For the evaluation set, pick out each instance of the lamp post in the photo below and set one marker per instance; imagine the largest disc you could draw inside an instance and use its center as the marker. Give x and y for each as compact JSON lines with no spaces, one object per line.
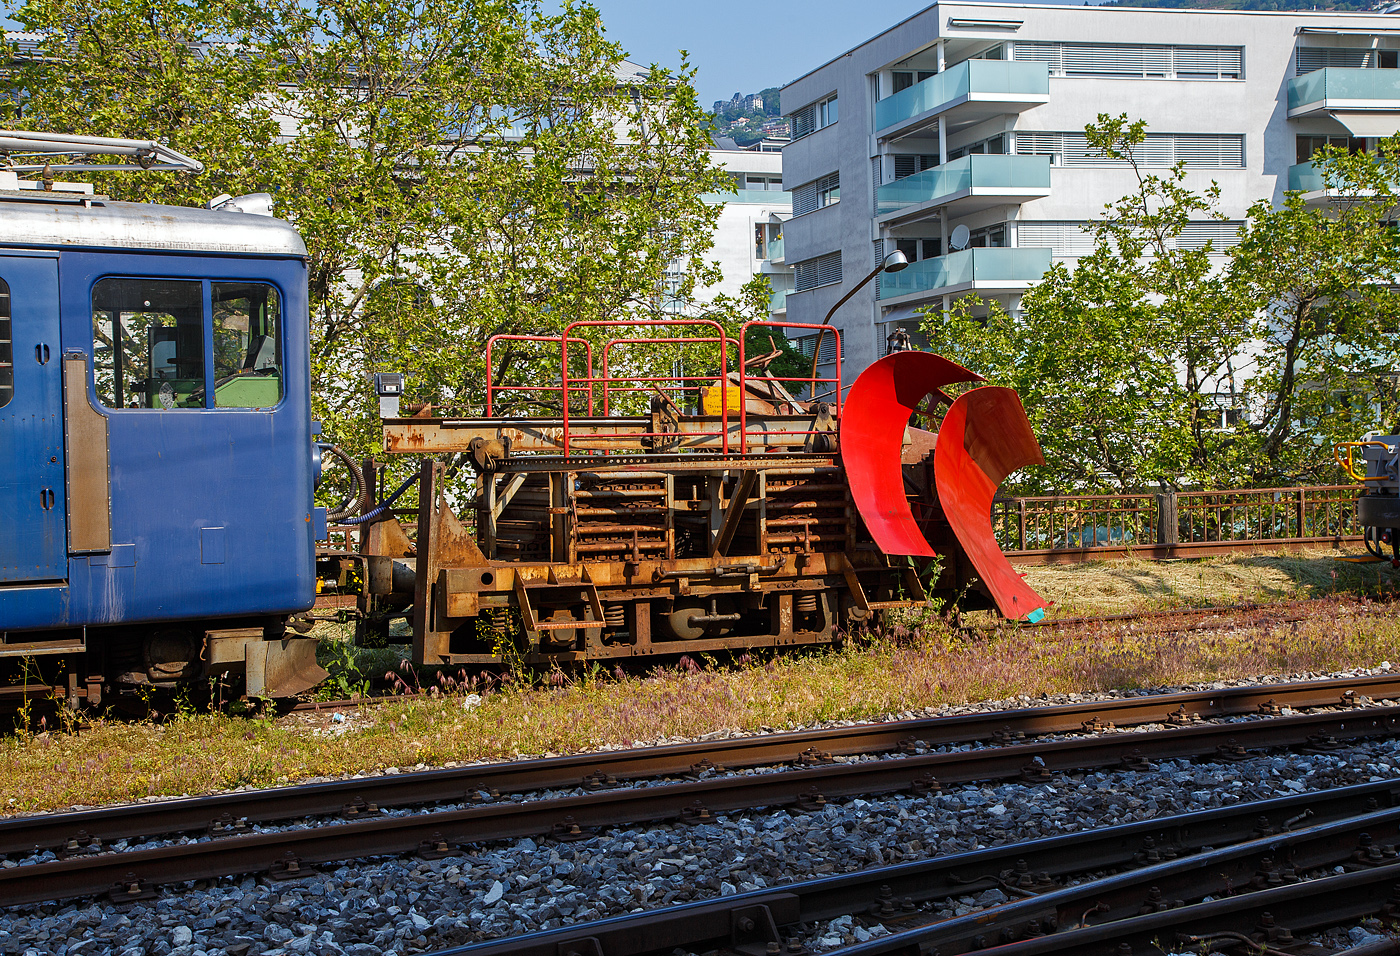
{"x":894,"y":262}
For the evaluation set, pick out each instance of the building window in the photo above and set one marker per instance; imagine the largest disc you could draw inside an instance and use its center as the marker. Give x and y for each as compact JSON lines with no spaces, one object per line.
{"x":910,"y":165}
{"x":993,"y":237}
{"x":814,"y":116}
{"x":763,"y":183}
{"x":148,"y":343}
{"x":1077,"y":239}
{"x":1311,"y":58}
{"x":816,"y":194}
{"x":992,"y":144}
{"x":808,"y":343}
{"x":7,"y":352}
{"x":764,"y":234}
{"x":823,"y":270}
{"x":916,"y":250}
{"x":1307,"y":145}
{"x":1195,"y":150}
{"x":1151,"y":61}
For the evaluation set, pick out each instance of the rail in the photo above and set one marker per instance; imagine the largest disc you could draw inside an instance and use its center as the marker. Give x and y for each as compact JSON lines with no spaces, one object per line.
{"x":1050,"y":529}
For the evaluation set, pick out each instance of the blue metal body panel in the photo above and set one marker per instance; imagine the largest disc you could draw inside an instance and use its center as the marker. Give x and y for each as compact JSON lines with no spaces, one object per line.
{"x":211,"y":509}
{"x":32,"y":517}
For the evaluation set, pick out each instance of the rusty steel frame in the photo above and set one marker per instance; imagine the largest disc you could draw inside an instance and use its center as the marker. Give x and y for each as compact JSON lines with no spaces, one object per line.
{"x":889,"y":891}
{"x":439,"y":832}
{"x":562,"y":551}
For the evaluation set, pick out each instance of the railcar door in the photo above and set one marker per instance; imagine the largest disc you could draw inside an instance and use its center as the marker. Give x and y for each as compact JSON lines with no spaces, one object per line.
{"x":33,"y":543}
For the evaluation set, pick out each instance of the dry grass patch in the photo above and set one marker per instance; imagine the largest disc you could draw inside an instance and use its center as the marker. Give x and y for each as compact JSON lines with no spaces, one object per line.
{"x":1105,"y":587}
{"x":911,"y":671}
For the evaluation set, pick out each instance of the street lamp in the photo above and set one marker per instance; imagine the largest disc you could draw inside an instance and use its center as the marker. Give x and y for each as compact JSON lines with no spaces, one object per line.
{"x":894,"y":262}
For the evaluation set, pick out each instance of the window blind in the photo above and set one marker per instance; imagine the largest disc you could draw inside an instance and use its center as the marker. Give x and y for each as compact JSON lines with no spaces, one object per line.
{"x":823,"y":270}
{"x":1196,"y":150}
{"x":1163,"y":61}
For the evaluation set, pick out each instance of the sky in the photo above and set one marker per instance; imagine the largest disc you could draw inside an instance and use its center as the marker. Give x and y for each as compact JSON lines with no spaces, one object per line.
{"x":743,"y":46}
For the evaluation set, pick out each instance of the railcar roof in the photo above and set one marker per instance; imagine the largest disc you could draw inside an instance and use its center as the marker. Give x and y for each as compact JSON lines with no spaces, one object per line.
{"x":74,"y":221}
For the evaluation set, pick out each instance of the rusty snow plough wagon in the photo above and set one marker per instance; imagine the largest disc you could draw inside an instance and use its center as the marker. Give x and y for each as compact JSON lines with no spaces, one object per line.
{"x":696,"y":512}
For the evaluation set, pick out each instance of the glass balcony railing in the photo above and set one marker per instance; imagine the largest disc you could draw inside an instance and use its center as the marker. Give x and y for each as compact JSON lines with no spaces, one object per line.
{"x":984,"y":171}
{"x":1308,"y":178}
{"x":775,"y":248}
{"x":981,"y":267}
{"x":778,"y":301}
{"x":766,"y":197}
{"x":1340,"y":83}
{"x":967,"y":78}
{"x":1304,"y":177}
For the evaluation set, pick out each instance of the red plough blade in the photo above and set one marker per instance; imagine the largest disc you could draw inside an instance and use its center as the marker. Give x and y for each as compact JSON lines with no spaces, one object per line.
{"x":873,"y":420}
{"x":985,"y":436}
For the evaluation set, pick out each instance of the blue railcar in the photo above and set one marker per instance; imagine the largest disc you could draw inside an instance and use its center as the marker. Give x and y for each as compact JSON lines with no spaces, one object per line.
{"x":157,"y":451}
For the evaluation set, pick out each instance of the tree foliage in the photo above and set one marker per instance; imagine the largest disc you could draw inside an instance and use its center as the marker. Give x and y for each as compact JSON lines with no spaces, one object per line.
{"x":458,"y":169}
{"x":1156,"y":361}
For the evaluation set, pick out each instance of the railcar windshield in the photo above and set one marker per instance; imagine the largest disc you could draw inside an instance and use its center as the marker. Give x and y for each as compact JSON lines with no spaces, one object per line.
{"x":247,"y":345}
{"x":148,"y":343}
{"x":150,"y":334}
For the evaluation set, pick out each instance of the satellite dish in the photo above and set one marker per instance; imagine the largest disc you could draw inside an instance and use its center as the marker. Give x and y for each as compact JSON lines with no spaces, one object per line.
{"x":961,"y":236}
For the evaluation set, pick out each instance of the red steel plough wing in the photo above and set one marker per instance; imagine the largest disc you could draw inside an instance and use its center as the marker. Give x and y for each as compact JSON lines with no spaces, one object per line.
{"x":984,"y":437}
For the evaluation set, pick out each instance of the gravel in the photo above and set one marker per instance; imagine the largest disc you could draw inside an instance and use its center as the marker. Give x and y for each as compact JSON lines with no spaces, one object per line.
{"x":405,"y":906}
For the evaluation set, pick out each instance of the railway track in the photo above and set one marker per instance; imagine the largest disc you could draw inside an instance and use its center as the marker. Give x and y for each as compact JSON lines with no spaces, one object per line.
{"x":91,"y":870}
{"x":1110,"y":874}
{"x":78,"y":830}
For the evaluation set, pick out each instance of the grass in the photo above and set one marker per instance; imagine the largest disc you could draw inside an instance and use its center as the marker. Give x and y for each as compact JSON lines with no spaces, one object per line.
{"x":1105,"y":587}
{"x":908,"y":670}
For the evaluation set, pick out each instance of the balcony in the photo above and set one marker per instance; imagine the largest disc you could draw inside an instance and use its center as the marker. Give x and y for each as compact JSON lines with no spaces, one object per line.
{"x":1308,"y":179}
{"x":986,"y":270}
{"x":971,"y":183}
{"x":777,"y":303}
{"x":1303,"y":176}
{"x":1366,"y":101}
{"x":976,"y":89}
{"x":775,"y":251}
{"x":763,"y":197}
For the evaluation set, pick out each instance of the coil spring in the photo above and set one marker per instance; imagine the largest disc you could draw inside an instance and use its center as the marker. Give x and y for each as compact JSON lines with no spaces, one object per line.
{"x":807,"y":603}
{"x":615,"y":615}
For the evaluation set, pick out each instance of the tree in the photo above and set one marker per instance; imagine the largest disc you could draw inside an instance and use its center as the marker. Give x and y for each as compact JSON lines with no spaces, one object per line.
{"x":458,"y":169}
{"x":1324,"y":360}
{"x":1127,"y":361}
{"x":1117,"y":358}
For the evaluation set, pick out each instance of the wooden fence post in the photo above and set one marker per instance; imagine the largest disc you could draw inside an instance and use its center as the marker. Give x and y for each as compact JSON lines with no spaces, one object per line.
{"x":1167,"y":531}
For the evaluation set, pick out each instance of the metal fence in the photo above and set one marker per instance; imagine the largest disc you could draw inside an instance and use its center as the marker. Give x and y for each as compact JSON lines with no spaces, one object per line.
{"x":1050,"y":529}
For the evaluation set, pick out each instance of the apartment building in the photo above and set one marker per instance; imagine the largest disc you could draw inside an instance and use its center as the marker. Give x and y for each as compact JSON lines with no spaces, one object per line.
{"x":957,"y":137}
{"x":749,"y":234}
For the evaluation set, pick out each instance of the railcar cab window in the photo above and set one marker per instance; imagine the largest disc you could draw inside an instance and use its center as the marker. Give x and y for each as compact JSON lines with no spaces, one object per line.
{"x":150,"y":335}
{"x":7,"y":352}
{"x":148,"y":343}
{"x":247,"y":345}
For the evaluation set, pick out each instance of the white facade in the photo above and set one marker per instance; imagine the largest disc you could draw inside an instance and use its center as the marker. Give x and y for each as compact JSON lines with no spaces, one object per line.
{"x":972,"y":115}
{"x":747,"y":237}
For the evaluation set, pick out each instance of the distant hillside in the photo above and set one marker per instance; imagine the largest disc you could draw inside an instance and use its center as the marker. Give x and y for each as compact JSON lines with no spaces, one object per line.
{"x":747,"y":118}
{"x":1338,"y":6}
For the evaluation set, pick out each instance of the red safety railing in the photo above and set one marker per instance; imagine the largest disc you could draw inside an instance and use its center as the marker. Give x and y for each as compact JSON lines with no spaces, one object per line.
{"x":492,"y":388}
{"x":810,"y":381}
{"x":653,"y":382}
{"x":675,"y":382}
{"x":674,"y":388}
